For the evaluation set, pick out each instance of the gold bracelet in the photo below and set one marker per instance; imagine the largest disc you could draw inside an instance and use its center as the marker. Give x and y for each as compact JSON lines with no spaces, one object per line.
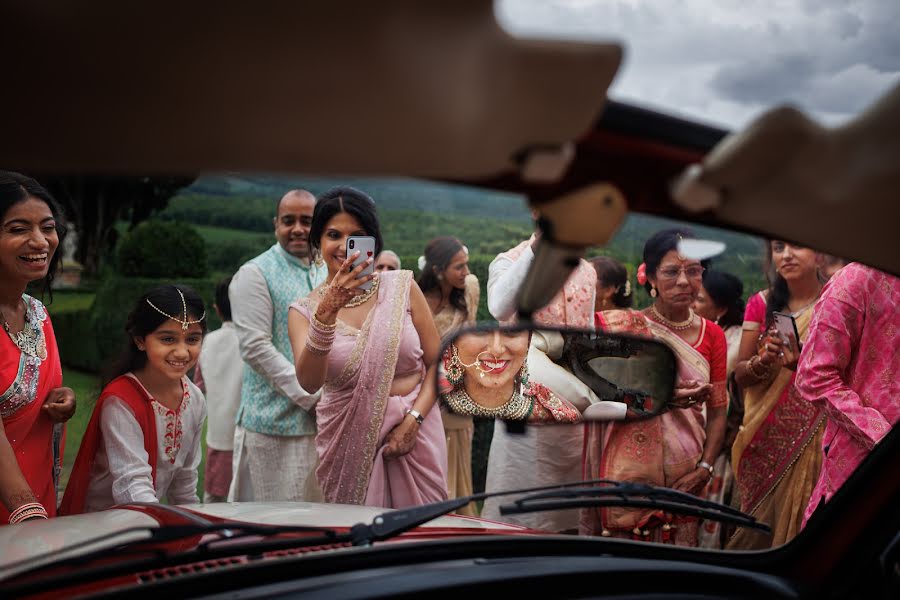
{"x":318,"y":324}
{"x":755,"y":360}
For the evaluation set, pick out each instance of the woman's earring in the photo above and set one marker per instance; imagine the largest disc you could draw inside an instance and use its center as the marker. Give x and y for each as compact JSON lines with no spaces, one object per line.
{"x":319,"y":260}
{"x":455,"y":371}
{"x":652,"y":291}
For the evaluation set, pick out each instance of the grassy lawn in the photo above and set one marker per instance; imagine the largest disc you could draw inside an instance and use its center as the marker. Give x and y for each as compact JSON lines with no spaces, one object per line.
{"x":87,"y":388}
{"x":219,"y":234}
{"x":70,"y":301}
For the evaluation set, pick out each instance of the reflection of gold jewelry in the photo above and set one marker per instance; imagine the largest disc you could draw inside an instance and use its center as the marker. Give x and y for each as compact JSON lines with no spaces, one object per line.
{"x":477,"y":363}
{"x":184,"y":322}
{"x":677,"y":326}
{"x":455,"y":370}
{"x":357,"y":300}
{"x":517,"y":408}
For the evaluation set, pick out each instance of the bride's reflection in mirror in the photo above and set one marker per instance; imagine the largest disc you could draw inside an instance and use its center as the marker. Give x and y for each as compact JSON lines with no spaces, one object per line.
{"x":485,"y":374}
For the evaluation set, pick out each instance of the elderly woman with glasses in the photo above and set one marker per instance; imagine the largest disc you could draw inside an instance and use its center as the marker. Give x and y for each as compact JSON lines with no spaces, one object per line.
{"x":677,"y":449}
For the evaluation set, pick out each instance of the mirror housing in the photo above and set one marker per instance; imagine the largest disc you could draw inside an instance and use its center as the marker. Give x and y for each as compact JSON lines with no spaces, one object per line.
{"x":542,"y":375}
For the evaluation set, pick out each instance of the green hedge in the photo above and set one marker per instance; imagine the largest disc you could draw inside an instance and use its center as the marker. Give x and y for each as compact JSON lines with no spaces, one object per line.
{"x":88,"y":339}
{"x":161,"y":249}
{"x":76,"y":339}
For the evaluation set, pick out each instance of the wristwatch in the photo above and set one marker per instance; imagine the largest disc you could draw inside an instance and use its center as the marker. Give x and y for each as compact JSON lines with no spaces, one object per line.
{"x":706,"y":466}
{"x":416,"y":415}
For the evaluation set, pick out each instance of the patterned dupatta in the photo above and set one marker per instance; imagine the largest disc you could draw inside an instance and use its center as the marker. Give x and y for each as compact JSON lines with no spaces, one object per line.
{"x":655,"y":451}
{"x":35,"y":440}
{"x":778,"y":426}
{"x":351,"y":411}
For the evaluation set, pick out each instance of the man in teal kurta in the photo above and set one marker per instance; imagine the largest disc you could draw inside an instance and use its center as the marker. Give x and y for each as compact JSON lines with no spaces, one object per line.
{"x":274,"y":452}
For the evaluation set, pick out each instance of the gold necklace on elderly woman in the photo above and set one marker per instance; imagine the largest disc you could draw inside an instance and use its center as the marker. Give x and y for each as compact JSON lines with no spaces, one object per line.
{"x":677,"y":326}
{"x":357,"y":300}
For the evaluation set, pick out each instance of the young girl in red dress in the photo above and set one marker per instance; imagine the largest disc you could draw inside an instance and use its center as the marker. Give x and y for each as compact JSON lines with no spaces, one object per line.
{"x":143,"y":441}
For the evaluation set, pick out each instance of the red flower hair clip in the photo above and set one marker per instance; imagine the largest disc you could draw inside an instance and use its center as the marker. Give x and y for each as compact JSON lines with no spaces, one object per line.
{"x":642,"y":274}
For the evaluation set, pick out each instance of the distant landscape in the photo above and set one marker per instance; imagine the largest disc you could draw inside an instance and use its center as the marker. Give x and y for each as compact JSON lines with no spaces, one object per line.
{"x":234,"y":216}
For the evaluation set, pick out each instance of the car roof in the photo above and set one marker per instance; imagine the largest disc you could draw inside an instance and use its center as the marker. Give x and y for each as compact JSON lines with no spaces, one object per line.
{"x":433,"y":90}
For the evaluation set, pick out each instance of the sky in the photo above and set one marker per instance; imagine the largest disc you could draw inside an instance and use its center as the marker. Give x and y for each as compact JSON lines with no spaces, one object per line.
{"x":726,"y":61}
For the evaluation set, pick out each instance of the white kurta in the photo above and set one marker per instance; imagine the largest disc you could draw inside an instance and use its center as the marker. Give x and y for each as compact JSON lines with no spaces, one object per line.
{"x":544,"y":455}
{"x":121,"y":472}
{"x":222,"y":370}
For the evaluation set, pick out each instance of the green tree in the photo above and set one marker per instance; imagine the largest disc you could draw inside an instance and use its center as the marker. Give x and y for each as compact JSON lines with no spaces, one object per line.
{"x":94,"y":204}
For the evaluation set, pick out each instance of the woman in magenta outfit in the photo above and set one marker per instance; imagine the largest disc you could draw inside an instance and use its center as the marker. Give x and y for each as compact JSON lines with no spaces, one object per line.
{"x":849,"y":369}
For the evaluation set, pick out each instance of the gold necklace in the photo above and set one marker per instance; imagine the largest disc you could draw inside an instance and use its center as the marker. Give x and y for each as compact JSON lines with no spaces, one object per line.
{"x":357,"y":300}
{"x":673,"y":324}
{"x":30,"y":340}
{"x":517,"y":408}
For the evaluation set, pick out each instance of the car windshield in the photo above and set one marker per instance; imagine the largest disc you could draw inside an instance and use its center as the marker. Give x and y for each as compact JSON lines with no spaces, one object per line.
{"x":283,"y":349}
{"x":202,"y":231}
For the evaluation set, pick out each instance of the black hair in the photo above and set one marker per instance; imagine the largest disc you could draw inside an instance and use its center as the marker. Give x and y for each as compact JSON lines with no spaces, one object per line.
{"x":611,"y":272}
{"x":347,"y":200}
{"x":144,"y":320}
{"x":779,"y":295}
{"x":661,"y":243}
{"x":16,"y":188}
{"x":438,"y":254}
{"x":223,"y":302}
{"x":726,"y":291}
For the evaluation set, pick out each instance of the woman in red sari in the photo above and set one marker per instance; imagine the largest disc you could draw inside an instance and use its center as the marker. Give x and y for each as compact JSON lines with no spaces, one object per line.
{"x":32,"y":402}
{"x":678,"y":448}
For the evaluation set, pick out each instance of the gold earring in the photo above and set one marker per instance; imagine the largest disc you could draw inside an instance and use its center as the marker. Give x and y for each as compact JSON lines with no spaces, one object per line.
{"x":652,"y":292}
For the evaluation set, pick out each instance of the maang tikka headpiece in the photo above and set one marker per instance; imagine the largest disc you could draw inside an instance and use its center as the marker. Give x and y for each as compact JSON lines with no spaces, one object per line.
{"x":184,"y":322}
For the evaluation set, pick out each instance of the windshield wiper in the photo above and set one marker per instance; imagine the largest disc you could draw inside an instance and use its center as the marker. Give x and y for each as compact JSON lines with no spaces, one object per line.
{"x":636,"y":495}
{"x":556,"y":497}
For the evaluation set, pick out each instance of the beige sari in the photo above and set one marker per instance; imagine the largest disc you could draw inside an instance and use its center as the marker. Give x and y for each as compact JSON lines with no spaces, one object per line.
{"x":459,"y":429}
{"x":776,"y":456}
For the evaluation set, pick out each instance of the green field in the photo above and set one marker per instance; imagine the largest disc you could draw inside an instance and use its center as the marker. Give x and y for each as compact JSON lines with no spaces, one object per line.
{"x":214,"y":234}
{"x":65,"y":301}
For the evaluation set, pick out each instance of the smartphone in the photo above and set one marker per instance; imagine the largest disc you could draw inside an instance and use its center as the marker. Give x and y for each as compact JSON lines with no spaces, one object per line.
{"x":786,"y":326}
{"x":365,"y":245}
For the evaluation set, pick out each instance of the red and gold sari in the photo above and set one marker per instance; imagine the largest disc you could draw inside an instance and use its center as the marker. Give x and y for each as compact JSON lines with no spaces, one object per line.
{"x":26,"y":380}
{"x":656,"y":451}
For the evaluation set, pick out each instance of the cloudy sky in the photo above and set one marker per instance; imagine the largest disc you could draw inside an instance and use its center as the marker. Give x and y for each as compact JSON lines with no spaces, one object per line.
{"x":725,"y":61}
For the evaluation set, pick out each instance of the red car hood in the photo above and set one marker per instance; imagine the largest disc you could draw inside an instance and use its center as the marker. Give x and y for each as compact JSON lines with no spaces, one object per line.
{"x":31,"y":544}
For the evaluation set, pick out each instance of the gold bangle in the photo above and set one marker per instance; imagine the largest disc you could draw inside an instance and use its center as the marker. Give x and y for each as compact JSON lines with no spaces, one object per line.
{"x":318,"y":324}
{"x":755,"y":360}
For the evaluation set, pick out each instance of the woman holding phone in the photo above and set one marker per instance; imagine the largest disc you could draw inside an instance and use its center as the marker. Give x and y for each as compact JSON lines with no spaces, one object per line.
{"x":775,"y":480}
{"x":379,"y":441}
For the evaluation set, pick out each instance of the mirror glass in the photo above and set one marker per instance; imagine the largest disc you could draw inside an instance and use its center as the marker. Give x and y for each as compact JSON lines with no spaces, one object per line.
{"x":555,"y":375}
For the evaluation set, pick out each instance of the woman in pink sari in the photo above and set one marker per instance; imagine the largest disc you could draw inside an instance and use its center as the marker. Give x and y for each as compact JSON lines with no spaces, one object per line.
{"x":379,"y":441}
{"x":678,"y":448}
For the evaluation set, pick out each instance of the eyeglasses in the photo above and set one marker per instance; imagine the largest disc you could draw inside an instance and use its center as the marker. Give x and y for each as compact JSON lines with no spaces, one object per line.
{"x":691,"y":272}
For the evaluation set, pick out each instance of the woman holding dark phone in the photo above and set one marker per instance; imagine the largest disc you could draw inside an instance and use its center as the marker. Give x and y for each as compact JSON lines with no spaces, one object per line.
{"x":774,"y":481}
{"x":380,"y":442}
